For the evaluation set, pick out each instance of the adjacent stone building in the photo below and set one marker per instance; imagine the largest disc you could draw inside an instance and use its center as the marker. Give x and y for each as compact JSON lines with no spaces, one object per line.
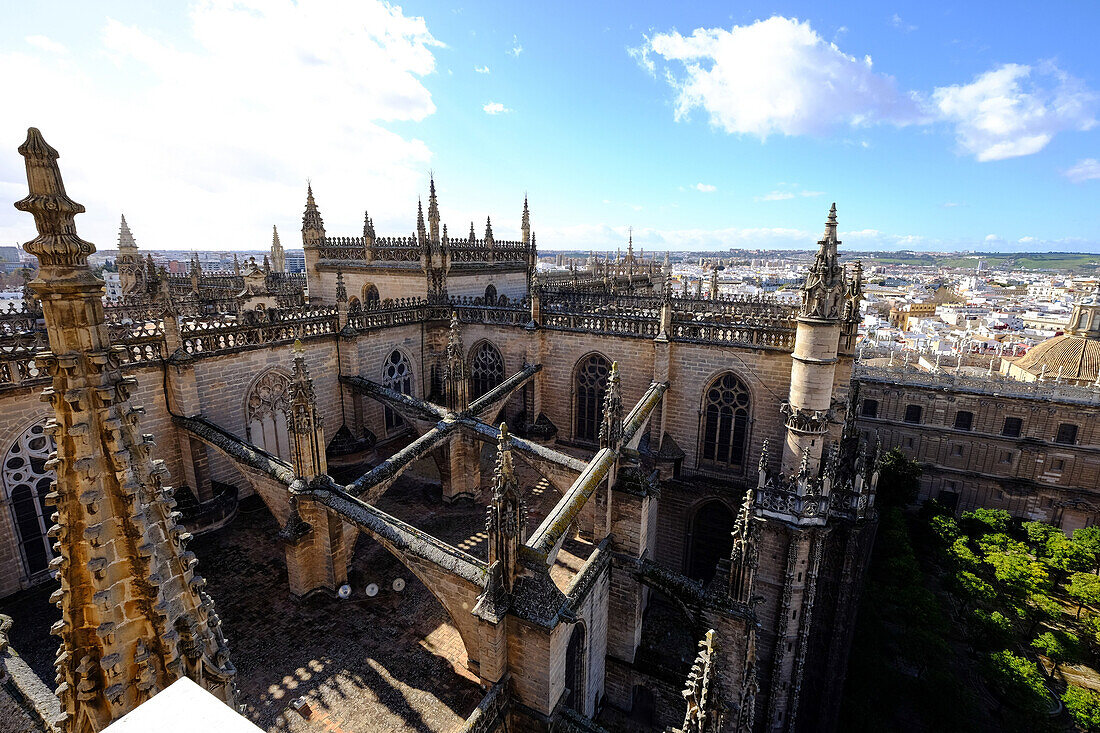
{"x":704,"y":451}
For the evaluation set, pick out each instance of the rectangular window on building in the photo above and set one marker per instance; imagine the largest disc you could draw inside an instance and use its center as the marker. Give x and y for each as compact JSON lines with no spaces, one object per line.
{"x":913,"y":413}
{"x":1057,"y":464}
{"x":908,"y":442}
{"x":1006,"y":457}
{"x":1067,"y":434}
{"x":870,"y":408}
{"x":956,"y":450}
{"x":964,"y":420}
{"x":1012,"y":427}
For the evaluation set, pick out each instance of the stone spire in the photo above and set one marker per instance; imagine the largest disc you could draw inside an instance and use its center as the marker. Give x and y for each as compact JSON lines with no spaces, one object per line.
{"x":506,"y":521}
{"x":130,"y":274}
{"x":303,"y":422}
{"x":824,"y":286}
{"x":488,"y":232}
{"x":714,"y":283}
{"x":278,"y":254}
{"x":473,"y":235}
{"x":421,"y":229}
{"x":744,"y":557}
{"x":611,"y":429}
{"x":454,"y":377}
{"x":368,"y":229}
{"x":525,"y":222}
{"x":313,"y":227}
{"x":433,"y":211}
{"x":134,"y":616}
{"x":236,"y":265}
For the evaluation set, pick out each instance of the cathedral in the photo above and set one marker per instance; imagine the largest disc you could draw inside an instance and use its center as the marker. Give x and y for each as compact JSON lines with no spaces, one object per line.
{"x":700,"y":453}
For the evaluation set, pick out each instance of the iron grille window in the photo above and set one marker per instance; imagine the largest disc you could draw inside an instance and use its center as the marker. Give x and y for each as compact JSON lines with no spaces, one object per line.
{"x":486,"y":369}
{"x":964,"y":420}
{"x":397,"y":375}
{"x":1067,"y":434}
{"x":1012,"y":427}
{"x":591,"y":383}
{"x":725,"y":422}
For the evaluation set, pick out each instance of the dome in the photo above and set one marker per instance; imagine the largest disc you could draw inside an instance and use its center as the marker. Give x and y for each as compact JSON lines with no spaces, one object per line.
{"x":1077,"y":356}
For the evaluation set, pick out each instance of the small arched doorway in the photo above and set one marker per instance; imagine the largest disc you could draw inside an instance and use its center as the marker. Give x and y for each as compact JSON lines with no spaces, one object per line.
{"x":490,"y":295}
{"x":574,"y":669}
{"x":710,"y":539}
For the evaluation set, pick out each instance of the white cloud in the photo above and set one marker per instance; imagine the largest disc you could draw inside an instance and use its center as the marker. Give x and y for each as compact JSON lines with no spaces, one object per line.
{"x":1085,"y":170}
{"x":774,"y":196}
{"x":481,"y":69}
{"x":705,"y":187}
{"x":774,"y":76}
{"x":47,"y":44}
{"x":950,"y":204}
{"x":1010,"y":111}
{"x":811,"y":194}
{"x":900,"y":24}
{"x":199,"y":142}
{"x":495,"y":108}
{"x":992,"y":238}
{"x":517,"y":49}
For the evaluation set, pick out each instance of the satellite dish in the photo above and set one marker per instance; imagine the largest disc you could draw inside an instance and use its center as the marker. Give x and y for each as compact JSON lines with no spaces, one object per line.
{"x":344,"y":592}
{"x":372,"y":590}
{"x":399,"y":584}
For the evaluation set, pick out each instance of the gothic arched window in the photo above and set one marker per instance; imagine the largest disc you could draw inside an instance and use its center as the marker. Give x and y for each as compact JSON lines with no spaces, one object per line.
{"x":266,"y":409}
{"x":354,"y":306}
{"x":490,"y":295}
{"x":26,"y":481}
{"x":590,"y":383}
{"x":486,"y":369}
{"x":397,"y":375}
{"x":725,"y":422}
{"x":370,"y":296}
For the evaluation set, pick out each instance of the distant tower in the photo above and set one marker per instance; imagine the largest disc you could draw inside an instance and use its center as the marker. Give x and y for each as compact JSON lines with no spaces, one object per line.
{"x":278,"y":254}
{"x":129,"y":263}
{"x":815,"y":355}
{"x":134,"y":617}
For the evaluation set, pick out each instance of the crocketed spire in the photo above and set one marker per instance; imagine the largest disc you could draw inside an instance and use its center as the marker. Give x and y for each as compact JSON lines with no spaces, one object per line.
{"x":313,"y":227}
{"x":304,"y":421}
{"x":125,"y":238}
{"x":278,"y":254}
{"x":458,"y":398}
{"x":824,"y":286}
{"x":433,"y":211}
{"x":488,"y":232}
{"x":611,"y":429}
{"x":506,"y":520}
{"x":134,"y":615}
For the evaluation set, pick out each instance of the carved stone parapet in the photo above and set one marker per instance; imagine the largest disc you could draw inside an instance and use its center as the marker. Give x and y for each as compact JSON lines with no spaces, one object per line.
{"x":807,"y":422}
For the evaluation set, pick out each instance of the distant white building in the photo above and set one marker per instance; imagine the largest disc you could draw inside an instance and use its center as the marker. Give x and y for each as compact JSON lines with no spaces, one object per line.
{"x":114,"y":286}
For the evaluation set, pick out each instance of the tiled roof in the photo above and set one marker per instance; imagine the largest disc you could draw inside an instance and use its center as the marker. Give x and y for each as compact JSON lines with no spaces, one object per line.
{"x":1077,"y":356}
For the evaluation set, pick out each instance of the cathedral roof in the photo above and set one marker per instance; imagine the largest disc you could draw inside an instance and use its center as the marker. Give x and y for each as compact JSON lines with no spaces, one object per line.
{"x":1078,"y":358}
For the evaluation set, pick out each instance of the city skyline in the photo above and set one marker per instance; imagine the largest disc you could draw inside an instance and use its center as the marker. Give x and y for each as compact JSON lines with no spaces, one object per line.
{"x":932,"y":130}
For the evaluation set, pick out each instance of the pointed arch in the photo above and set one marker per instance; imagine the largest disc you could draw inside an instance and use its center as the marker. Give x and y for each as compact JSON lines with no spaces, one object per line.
{"x":486,"y":368}
{"x":371,"y":298}
{"x":576,"y":657}
{"x":589,"y":385}
{"x":265,"y":412}
{"x":725,"y":416}
{"x":397,"y":374}
{"x":25,"y":481}
{"x":490,"y":294}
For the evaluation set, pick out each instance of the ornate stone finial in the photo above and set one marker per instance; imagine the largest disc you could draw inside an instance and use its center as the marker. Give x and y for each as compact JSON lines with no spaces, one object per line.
{"x":304,"y":421}
{"x":125,"y":237}
{"x":666,"y":290}
{"x":473,"y":235}
{"x":236,"y":265}
{"x":133,"y":615}
{"x":341,"y":290}
{"x":313,"y":227}
{"x":57,"y":244}
{"x":611,"y":429}
{"x":454,"y":374}
{"x":525,"y":222}
{"x":278,"y":254}
{"x":506,"y":517}
{"x":489,"y":231}
{"x":703,"y":690}
{"x":763,"y":467}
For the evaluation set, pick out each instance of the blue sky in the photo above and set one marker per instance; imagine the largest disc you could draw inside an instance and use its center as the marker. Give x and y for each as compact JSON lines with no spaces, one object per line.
{"x":706,"y":126}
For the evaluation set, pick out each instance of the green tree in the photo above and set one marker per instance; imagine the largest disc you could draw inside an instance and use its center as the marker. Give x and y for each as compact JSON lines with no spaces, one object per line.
{"x":898,"y":479}
{"x":1067,"y":556}
{"x":984,"y":521}
{"x":1085,"y":589}
{"x":1039,"y":535}
{"x":1058,"y":646}
{"x":1089,"y":538}
{"x":1083,"y":706}
{"x":1018,"y":682}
